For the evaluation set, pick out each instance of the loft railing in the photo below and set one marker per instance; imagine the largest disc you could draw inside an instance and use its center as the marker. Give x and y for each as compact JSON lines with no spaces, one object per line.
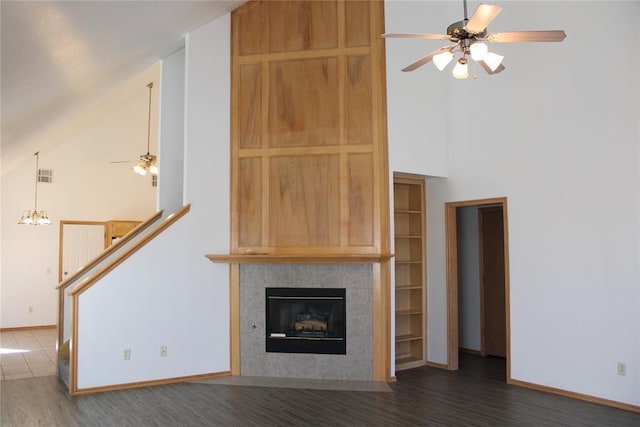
{"x":107,"y":266}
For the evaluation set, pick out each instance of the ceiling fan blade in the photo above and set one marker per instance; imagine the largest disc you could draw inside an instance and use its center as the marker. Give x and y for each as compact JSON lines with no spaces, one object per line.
{"x":484,"y":14}
{"x":425,"y":59}
{"x":527,"y":36}
{"x":486,"y":68}
{"x":124,"y":161}
{"x":416,"y":36}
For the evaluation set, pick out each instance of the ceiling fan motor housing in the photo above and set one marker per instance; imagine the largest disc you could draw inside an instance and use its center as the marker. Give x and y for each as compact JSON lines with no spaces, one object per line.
{"x":456,"y":32}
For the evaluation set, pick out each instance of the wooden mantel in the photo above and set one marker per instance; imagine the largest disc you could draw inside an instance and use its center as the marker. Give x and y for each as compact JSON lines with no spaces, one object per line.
{"x":299,"y":258}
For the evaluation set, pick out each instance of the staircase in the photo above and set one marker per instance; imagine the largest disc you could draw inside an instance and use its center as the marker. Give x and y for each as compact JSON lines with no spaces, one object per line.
{"x":90,"y":274}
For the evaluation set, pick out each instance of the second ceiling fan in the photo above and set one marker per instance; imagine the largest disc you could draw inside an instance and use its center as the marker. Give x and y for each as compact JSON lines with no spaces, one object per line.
{"x":470,"y":39}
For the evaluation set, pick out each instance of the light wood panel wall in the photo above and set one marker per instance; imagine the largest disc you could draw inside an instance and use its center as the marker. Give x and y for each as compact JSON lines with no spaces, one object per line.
{"x":309,"y":158}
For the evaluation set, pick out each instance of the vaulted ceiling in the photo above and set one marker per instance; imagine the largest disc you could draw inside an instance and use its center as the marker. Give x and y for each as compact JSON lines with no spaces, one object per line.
{"x":57,"y":54}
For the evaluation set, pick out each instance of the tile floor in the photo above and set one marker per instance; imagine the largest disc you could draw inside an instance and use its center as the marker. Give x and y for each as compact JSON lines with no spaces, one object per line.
{"x":27,"y":353}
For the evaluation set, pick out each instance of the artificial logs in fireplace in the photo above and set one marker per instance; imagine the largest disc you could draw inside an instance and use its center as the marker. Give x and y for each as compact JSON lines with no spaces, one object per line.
{"x":306,"y":320}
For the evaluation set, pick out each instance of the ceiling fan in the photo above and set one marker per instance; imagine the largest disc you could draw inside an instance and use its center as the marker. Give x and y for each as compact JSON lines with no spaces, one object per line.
{"x":469,"y":37}
{"x":146,"y":162}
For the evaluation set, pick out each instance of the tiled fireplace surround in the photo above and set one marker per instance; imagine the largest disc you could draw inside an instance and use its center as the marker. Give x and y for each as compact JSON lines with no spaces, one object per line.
{"x":357,"y":364}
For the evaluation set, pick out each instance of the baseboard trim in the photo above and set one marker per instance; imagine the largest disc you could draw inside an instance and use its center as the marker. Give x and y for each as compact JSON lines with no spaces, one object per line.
{"x":150,"y":383}
{"x":25,"y":328}
{"x":438,"y":365}
{"x":574,"y":395}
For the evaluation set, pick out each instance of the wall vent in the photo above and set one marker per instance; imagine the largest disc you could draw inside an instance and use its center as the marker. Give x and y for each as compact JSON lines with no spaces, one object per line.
{"x":45,"y":175}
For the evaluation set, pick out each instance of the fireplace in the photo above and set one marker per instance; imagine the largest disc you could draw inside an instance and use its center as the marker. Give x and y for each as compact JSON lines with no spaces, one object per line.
{"x":306,"y":320}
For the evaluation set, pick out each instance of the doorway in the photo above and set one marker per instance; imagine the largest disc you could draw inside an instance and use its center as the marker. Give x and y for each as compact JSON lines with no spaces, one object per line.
{"x":80,"y":242}
{"x":491,"y":334}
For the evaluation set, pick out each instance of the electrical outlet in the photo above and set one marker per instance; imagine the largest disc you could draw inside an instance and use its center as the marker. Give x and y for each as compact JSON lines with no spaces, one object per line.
{"x":622,"y":369}
{"x":163,"y":351}
{"x":126,"y":354}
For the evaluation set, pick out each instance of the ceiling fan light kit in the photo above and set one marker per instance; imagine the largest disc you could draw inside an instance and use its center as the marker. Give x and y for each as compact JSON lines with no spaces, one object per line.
{"x":470,"y":37}
{"x":148,"y":162}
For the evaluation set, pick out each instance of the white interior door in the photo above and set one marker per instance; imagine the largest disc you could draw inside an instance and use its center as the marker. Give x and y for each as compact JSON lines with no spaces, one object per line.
{"x":80,"y":244}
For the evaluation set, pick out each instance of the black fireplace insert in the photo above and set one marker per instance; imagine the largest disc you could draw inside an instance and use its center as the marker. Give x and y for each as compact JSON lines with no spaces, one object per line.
{"x":306,"y":320}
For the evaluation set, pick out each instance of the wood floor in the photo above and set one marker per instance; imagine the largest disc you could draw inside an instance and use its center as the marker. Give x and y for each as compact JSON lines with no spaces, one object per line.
{"x":475,"y":395}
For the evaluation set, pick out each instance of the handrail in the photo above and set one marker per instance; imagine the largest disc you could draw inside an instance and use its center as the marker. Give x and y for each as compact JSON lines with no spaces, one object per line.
{"x":89,"y":281}
{"x":111,"y":249}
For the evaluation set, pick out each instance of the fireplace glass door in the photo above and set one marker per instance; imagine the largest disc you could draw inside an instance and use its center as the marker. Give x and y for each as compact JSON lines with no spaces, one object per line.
{"x":306,"y":320}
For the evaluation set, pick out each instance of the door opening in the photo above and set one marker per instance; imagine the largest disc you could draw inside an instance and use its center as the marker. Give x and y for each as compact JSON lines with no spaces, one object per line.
{"x":477,"y":279}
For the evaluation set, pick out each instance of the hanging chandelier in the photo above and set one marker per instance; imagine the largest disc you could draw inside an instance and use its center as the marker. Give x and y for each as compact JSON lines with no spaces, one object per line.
{"x":147,"y":162}
{"x":35,"y":217}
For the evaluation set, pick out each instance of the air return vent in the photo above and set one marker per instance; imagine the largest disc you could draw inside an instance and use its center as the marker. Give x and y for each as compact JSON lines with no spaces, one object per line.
{"x":45,"y":175}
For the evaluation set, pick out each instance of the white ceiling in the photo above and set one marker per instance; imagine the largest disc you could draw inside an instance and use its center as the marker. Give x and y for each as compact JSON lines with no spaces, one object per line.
{"x":57,"y":54}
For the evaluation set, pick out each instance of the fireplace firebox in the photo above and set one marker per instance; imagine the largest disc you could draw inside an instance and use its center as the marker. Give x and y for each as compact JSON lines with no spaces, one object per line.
{"x":306,"y":320}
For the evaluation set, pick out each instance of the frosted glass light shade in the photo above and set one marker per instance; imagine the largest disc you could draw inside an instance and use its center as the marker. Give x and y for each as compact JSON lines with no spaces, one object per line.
{"x":44,"y":219}
{"x":493,"y":60}
{"x":153,"y":169}
{"x":140,"y":170}
{"x":441,"y":60}
{"x":479,"y":51}
{"x":461,"y":70}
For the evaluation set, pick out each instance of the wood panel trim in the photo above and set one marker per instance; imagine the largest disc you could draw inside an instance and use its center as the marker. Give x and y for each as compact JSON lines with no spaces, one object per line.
{"x":234,"y":321}
{"x":382,"y":232}
{"x":452,"y":287}
{"x":150,"y":383}
{"x":168,"y":221}
{"x":382,"y":322}
{"x":483,"y":347}
{"x":302,"y":54}
{"x":438,"y":365}
{"x":73,"y":348}
{"x":107,"y":252}
{"x":507,"y":284}
{"x":299,"y":258}
{"x":578,"y":396}
{"x":235,"y":123}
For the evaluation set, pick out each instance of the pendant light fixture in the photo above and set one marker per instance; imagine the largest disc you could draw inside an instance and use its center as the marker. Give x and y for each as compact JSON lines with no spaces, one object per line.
{"x":35,"y":217}
{"x":148,"y":162}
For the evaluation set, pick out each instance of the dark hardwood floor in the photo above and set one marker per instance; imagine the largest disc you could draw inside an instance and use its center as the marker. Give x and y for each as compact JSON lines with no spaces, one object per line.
{"x":474,"y":395}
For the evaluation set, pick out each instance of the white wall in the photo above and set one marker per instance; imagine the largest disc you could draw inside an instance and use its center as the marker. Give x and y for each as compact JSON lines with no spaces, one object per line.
{"x":86,"y":187}
{"x":171,"y":146}
{"x":468,"y":278}
{"x":413,"y":99}
{"x":169,"y":294}
{"x":557,"y":133}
